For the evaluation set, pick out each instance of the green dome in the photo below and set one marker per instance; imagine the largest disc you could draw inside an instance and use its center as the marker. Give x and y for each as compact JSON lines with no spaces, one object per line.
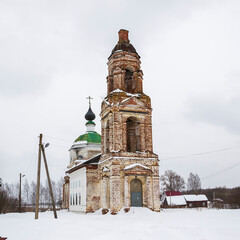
{"x":90,"y":137}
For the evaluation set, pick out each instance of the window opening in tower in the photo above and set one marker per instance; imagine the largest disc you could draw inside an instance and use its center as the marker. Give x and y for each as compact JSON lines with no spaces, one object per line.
{"x":133,"y":135}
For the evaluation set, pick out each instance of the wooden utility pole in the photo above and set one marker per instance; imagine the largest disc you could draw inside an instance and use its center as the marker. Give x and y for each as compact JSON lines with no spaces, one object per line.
{"x":49,"y":181}
{"x":20,"y":192}
{"x":38,"y":176}
{"x":42,"y":150}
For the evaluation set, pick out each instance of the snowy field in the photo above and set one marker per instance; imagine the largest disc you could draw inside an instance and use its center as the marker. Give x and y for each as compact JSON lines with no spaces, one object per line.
{"x":139,"y":223}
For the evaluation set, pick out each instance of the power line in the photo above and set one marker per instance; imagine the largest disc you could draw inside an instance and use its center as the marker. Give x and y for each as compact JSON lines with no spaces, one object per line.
{"x":200,"y":153}
{"x":61,"y":139}
{"x":222,"y":171}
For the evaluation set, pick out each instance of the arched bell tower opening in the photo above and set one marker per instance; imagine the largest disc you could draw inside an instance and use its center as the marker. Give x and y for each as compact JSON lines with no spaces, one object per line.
{"x":128,"y":81}
{"x":136,"y":193}
{"x":133,"y":135}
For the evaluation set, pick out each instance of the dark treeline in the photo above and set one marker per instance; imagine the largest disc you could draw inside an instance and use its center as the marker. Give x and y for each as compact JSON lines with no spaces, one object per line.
{"x":220,"y":197}
{"x":225,"y":197}
{"x":9,"y":196}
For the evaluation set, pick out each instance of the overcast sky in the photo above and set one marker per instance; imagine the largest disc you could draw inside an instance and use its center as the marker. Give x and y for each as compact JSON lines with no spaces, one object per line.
{"x":53,"y":55}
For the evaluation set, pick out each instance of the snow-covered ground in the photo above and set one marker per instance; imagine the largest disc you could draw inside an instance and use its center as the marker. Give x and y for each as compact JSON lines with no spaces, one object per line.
{"x":139,"y":223}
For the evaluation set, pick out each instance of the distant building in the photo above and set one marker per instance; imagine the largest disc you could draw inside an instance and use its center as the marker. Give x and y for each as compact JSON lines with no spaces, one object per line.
{"x":175,"y":199}
{"x":194,"y":201}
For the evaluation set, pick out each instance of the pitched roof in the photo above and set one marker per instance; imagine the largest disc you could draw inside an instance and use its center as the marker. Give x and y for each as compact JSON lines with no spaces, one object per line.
{"x":93,"y":160}
{"x":136,"y":165}
{"x":195,"y":198}
{"x":176,"y":200}
{"x":173,"y":193}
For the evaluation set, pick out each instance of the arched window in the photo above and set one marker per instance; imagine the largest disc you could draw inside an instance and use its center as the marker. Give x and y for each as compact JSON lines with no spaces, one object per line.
{"x":128,"y":82}
{"x":133,"y":135}
{"x":107,"y":137}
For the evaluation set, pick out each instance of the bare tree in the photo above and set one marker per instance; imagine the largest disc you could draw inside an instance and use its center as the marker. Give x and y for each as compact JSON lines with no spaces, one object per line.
{"x":194,"y":182}
{"x":26,"y":192}
{"x":42,"y":196}
{"x":3,"y":199}
{"x":8,"y":198}
{"x":47,"y":196}
{"x":59,"y":191}
{"x":171,"y":181}
{"x":33,"y":192}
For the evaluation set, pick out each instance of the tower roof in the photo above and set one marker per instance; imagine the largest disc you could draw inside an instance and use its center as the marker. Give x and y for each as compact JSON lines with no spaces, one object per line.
{"x":90,"y":116}
{"x":124,"y":43}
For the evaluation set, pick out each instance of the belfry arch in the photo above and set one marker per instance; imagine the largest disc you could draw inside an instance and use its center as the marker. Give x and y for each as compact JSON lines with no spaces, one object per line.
{"x":128,"y":81}
{"x":133,"y":135}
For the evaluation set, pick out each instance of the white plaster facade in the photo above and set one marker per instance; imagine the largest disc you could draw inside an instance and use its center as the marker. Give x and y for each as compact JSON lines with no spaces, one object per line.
{"x":77,"y":195}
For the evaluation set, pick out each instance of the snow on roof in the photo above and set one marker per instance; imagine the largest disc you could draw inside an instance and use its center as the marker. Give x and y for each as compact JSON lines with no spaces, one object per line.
{"x":79,"y":143}
{"x":125,"y":100}
{"x":128,"y":94}
{"x":104,"y":99}
{"x":117,"y":90}
{"x":79,"y":162}
{"x":176,"y":200}
{"x":194,"y":198}
{"x":105,"y":169}
{"x":135,"y":165}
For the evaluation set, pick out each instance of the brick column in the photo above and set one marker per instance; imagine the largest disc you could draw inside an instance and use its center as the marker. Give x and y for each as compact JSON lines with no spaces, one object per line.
{"x":110,"y":134}
{"x":115,"y":131}
{"x":156,"y":194}
{"x":115,"y":194}
{"x":149,"y":192}
{"x":142,"y":137}
{"x":126,"y":192}
{"x":124,"y":135}
{"x":104,"y":192}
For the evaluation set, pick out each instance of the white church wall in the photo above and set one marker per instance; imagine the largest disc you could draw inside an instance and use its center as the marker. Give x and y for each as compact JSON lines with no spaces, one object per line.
{"x":77,"y":201}
{"x":84,"y":151}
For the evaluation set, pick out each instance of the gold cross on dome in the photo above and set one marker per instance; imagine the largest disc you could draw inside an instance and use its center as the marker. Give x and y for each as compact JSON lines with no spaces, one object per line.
{"x":89,"y":101}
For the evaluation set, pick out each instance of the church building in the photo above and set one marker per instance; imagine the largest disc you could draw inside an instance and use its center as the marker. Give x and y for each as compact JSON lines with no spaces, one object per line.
{"x":117,"y":169}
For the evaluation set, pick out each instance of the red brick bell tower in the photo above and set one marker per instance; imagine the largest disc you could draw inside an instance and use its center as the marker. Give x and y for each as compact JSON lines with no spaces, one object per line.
{"x":129,"y":169}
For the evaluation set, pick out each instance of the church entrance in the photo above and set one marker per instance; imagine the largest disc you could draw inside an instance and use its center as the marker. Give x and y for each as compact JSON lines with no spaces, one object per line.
{"x":136,"y":193}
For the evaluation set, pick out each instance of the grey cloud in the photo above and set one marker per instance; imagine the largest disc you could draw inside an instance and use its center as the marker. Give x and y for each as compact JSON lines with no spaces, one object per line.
{"x":22,"y":83}
{"x":216,"y":112}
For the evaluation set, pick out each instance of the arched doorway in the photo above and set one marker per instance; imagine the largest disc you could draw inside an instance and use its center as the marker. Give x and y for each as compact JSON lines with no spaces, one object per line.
{"x":136,"y":193}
